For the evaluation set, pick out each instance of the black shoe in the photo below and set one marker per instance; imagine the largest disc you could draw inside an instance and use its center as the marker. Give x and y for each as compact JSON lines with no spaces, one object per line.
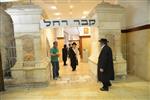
{"x":104,"y":89}
{"x":110,"y":84}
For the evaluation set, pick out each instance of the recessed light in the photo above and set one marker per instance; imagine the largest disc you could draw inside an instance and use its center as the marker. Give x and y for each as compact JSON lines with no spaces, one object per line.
{"x":53,"y":7}
{"x":85,"y":12}
{"x":57,"y":14}
{"x":71,"y":6}
{"x":8,"y":0}
{"x":58,"y":18}
{"x":83,"y":17}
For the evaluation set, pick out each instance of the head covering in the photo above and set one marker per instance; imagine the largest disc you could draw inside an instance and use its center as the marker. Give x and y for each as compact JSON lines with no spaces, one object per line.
{"x":74,"y":43}
{"x":103,"y":40}
{"x":65,"y":46}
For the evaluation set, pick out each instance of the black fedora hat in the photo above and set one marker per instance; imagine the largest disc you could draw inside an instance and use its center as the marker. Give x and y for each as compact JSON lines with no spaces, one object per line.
{"x":74,"y":43}
{"x":103,"y":40}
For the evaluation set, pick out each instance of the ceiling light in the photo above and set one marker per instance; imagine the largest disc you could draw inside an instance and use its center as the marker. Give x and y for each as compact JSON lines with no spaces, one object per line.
{"x":8,"y":0}
{"x":71,"y":6}
{"x":58,"y":18}
{"x":83,"y":17}
{"x":53,"y":7}
{"x":85,"y":12}
{"x":57,"y":14}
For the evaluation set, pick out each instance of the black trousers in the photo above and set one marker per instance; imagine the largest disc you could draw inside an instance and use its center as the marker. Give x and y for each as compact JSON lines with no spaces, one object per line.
{"x":106,"y":84}
{"x":64,"y":62}
{"x":73,"y":68}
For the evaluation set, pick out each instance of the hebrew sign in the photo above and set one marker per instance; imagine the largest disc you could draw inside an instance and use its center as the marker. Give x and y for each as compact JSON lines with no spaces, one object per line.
{"x":66,"y":23}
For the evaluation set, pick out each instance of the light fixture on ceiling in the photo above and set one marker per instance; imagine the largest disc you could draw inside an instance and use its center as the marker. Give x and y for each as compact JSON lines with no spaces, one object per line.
{"x":8,"y":0}
{"x":83,"y":17}
{"x":71,"y":6}
{"x":57,"y":14}
{"x":53,"y":7}
{"x":85,"y":12}
{"x":58,"y":18}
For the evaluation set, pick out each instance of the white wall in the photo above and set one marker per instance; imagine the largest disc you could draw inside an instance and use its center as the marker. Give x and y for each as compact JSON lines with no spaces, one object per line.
{"x":137,"y":12}
{"x":51,"y":35}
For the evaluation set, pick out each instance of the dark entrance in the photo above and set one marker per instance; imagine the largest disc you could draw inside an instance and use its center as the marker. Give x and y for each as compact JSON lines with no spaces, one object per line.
{"x":1,"y":76}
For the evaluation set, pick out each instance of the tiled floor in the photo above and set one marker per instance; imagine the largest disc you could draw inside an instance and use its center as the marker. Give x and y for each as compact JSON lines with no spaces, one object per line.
{"x":80,"y":85}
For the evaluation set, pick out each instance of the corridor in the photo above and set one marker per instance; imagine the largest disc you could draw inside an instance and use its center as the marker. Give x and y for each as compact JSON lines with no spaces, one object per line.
{"x":29,"y":28}
{"x":80,"y":85}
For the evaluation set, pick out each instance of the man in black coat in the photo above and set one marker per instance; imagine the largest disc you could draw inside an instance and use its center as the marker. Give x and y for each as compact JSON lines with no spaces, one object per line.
{"x":73,"y":56}
{"x":105,"y":69}
{"x":64,"y":54}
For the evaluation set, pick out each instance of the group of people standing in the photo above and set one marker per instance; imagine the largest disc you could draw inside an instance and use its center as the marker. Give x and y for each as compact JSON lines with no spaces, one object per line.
{"x":105,"y":69}
{"x":71,"y":52}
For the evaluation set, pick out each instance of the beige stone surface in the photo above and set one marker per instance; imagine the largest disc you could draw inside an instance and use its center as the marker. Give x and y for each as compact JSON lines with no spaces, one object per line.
{"x":80,"y":85}
{"x":139,"y":53}
{"x":94,"y":44}
{"x":32,"y":56}
{"x":109,"y":18}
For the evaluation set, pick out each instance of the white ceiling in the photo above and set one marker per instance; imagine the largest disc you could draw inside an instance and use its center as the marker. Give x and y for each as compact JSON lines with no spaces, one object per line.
{"x":67,"y":9}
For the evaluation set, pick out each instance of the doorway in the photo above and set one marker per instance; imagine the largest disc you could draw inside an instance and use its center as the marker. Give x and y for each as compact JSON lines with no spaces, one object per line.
{"x":1,"y":75}
{"x":68,"y":35}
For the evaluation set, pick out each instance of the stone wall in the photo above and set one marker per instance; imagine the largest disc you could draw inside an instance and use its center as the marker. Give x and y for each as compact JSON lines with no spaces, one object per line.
{"x":138,"y":53}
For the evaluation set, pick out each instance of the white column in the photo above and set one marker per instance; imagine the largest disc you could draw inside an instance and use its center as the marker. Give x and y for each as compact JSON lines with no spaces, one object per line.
{"x":118,"y":47}
{"x":26,"y":20}
{"x":37,"y":51}
{"x":108,"y":19}
{"x":19,"y":53}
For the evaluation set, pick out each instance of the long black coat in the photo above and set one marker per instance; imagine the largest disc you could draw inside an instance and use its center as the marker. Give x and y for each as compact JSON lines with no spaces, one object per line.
{"x":105,"y":61}
{"x":64,"y":54}
{"x":73,"y":57}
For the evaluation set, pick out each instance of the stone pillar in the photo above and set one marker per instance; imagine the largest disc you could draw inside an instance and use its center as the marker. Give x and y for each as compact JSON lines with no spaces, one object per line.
{"x":95,"y":48}
{"x":108,"y":18}
{"x":31,"y":66}
{"x":19,"y":53}
{"x":37,"y":50}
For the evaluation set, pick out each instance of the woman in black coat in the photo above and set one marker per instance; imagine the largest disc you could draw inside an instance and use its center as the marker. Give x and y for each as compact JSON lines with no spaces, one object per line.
{"x":64,"y":54}
{"x":105,"y":69}
{"x":73,"y":56}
